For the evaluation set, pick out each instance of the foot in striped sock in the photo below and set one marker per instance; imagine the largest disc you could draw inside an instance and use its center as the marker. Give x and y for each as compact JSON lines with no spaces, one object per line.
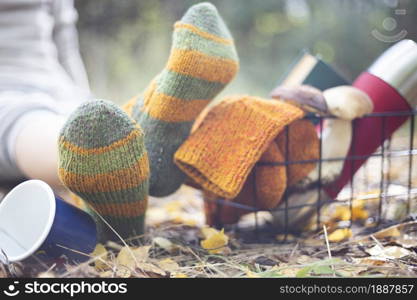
{"x":102,"y":159}
{"x":203,"y":60}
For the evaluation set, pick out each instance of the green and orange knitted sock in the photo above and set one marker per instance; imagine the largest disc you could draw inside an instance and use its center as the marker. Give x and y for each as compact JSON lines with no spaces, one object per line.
{"x":102,"y":159}
{"x":203,"y":60}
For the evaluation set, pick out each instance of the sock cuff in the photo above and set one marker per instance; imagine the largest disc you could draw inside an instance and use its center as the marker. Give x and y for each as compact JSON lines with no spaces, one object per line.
{"x":262,"y":190}
{"x":231,"y":138}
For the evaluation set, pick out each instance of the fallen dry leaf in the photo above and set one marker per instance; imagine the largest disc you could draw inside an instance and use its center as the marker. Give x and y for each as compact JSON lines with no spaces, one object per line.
{"x":342,"y":213}
{"x":128,"y":257}
{"x":48,"y":274}
{"x":396,"y":252}
{"x":388,"y":233}
{"x":106,"y":274}
{"x":151,"y":268}
{"x":141,"y":253}
{"x":391,"y":252}
{"x":179,"y":275}
{"x":186,"y":220}
{"x":340,"y":235}
{"x":168,"y":265}
{"x":407,"y":241}
{"x":372,"y":261}
{"x":250,"y":274}
{"x":376,"y":250}
{"x":359,"y":212}
{"x":164,"y":243}
{"x":208,"y":231}
{"x":123,"y":272}
{"x":285,"y":238}
{"x":215,"y":241}
{"x":100,"y":254}
{"x":136,"y":258}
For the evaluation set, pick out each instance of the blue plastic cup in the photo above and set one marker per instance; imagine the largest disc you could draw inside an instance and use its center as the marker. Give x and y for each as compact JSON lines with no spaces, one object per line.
{"x":34,"y":220}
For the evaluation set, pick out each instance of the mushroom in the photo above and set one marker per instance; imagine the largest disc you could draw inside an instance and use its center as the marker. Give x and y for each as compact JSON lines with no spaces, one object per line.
{"x":347,"y":102}
{"x":305,"y":97}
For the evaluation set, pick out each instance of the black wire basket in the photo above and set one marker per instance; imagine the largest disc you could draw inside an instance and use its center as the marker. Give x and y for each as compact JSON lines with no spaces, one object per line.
{"x":386,"y":182}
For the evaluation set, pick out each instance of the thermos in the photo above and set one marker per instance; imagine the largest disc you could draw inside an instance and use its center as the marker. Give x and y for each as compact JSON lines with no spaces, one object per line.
{"x":391,"y":83}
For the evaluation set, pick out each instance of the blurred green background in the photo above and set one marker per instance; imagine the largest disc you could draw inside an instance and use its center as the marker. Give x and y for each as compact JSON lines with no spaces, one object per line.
{"x":125,"y":43}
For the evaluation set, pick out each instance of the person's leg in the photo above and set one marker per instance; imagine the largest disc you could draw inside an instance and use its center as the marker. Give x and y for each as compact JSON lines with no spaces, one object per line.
{"x":29,"y":123}
{"x":36,"y":146}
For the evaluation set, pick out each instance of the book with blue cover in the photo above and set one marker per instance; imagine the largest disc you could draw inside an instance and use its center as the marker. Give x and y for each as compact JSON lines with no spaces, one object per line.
{"x":311,"y":70}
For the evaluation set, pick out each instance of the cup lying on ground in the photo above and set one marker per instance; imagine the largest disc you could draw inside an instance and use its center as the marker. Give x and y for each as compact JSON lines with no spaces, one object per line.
{"x":34,"y":220}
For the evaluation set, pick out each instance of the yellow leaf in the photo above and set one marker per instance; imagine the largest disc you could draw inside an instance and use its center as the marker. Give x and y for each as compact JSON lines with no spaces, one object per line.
{"x":179,"y":275}
{"x":342,"y":213}
{"x":340,"y":235}
{"x":285,"y":238}
{"x":141,"y":253}
{"x":250,"y":274}
{"x":128,"y":257}
{"x":100,"y":254}
{"x":106,"y":274}
{"x":215,"y":241}
{"x":358,"y":203}
{"x":208,"y":231}
{"x":359,"y":213}
{"x":168,"y":265}
{"x":186,"y":221}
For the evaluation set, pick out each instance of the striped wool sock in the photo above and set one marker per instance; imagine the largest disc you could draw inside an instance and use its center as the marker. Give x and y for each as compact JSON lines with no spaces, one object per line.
{"x":203,"y":60}
{"x":102,"y":159}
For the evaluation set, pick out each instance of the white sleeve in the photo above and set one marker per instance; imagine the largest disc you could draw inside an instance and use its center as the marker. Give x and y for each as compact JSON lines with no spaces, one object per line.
{"x":65,"y":36}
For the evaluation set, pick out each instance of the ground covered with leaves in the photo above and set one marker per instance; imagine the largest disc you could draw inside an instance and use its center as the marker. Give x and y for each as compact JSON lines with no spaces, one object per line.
{"x":178,"y":245}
